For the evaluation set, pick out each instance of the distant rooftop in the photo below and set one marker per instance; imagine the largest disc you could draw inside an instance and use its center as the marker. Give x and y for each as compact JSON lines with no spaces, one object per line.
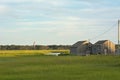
{"x":79,"y":43}
{"x":101,"y":41}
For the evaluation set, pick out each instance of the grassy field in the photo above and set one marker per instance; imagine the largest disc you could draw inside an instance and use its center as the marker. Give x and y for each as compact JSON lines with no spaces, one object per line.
{"x":13,"y":53}
{"x":60,"y":68}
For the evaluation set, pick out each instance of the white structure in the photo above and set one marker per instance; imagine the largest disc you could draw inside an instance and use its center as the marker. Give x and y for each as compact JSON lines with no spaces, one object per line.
{"x":53,"y":54}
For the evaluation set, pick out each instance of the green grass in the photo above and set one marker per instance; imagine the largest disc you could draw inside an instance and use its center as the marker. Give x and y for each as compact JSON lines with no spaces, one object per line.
{"x":60,"y":68}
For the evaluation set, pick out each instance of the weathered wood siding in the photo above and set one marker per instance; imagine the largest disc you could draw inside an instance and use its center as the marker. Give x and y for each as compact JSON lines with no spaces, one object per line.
{"x":107,"y":47}
{"x":82,"y":48}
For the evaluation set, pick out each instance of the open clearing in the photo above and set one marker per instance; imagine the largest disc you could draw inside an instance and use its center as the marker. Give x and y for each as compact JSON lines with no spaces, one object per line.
{"x":60,"y":68}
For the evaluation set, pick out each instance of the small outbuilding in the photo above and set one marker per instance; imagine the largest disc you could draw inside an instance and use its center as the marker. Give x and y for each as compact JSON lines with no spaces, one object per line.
{"x":103,"y":47}
{"x":117,"y":51}
{"x":81,"y":48}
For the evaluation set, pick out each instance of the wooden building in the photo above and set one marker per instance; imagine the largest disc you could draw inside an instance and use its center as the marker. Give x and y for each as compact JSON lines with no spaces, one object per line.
{"x":103,"y":47}
{"x":81,"y":48}
{"x":117,"y":51}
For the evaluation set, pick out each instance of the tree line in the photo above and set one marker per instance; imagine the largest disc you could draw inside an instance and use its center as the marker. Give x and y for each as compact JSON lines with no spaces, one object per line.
{"x":36,"y":47}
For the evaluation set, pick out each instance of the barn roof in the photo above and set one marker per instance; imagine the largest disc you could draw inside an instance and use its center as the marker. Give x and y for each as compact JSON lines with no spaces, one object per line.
{"x":101,"y":42}
{"x":79,"y":43}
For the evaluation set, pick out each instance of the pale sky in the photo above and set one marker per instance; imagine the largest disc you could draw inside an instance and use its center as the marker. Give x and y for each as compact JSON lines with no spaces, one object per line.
{"x":64,"y":22}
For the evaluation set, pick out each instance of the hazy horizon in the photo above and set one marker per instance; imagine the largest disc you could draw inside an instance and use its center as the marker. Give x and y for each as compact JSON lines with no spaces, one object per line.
{"x":58,"y":22}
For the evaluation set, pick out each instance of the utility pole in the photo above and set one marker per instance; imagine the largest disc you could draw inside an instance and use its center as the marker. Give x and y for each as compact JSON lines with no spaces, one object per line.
{"x":118,"y":36}
{"x":118,"y":32}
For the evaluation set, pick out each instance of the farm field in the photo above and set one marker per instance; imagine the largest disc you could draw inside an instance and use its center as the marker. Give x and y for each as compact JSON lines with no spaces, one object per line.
{"x":60,"y":68}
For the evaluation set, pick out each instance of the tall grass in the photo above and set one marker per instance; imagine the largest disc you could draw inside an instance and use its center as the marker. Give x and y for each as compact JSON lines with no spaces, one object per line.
{"x":12,"y":53}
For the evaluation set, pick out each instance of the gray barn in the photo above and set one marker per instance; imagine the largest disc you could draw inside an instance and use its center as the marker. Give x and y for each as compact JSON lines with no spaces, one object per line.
{"x":81,"y":48}
{"x":103,"y":47}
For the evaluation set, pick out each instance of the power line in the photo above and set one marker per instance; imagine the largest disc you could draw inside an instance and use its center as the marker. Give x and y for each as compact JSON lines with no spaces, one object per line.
{"x":104,"y":32}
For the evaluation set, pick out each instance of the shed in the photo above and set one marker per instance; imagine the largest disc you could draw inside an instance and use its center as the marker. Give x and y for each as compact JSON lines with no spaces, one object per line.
{"x":81,"y":48}
{"x":103,"y":47}
{"x":117,"y":51}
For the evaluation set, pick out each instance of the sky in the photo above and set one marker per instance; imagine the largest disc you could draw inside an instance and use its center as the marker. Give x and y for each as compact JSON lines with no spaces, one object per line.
{"x":58,"y":22}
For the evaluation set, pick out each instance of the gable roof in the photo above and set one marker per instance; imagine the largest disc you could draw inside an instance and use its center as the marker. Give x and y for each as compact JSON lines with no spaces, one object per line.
{"x":101,"y":42}
{"x":79,"y":43}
